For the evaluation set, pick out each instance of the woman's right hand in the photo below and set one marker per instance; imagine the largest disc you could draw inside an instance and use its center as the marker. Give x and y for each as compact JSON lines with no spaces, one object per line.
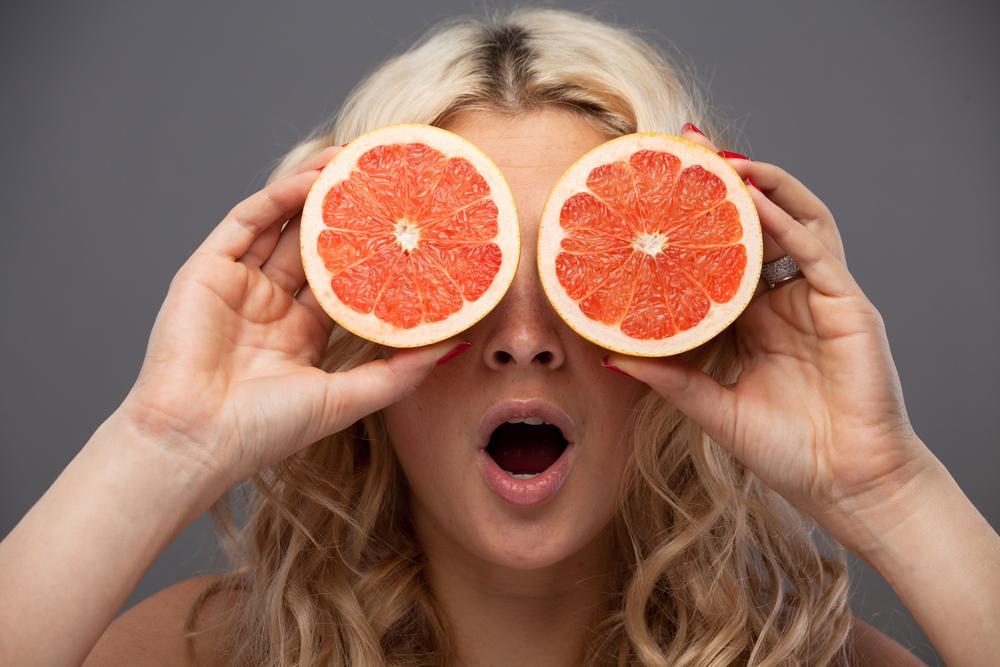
{"x":230,"y":381}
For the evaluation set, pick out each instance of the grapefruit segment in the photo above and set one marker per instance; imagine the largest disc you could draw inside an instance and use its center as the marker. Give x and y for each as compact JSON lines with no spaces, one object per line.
{"x":360,"y":285}
{"x":716,"y":270}
{"x":649,"y":245}
{"x":398,"y":301}
{"x":581,"y":273}
{"x":614,"y":184}
{"x":343,"y":248}
{"x":648,"y":315}
{"x":696,"y":191}
{"x":457,"y":185}
{"x":349,"y":205}
{"x":409,"y":236}
{"x":609,"y":301}
{"x":475,"y":223}
{"x":584,"y":211}
{"x":469,"y":266}
{"x":439,"y":293}
{"x":656,"y":174}
{"x":718,"y":226}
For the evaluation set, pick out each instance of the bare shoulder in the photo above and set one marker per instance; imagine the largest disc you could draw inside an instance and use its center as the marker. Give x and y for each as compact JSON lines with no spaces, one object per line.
{"x":874,"y":647}
{"x":152,"y":632}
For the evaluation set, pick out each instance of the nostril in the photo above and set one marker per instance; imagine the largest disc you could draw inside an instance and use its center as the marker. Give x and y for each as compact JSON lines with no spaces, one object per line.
{"x":502,"y":357}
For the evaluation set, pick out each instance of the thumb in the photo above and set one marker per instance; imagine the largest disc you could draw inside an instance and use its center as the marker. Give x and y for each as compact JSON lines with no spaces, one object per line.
{"x":692,"y":391}
{"x":350,"y":395}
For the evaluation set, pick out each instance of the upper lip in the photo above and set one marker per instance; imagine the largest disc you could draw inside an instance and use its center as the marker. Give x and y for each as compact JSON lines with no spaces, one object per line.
{"x":528,"y":407}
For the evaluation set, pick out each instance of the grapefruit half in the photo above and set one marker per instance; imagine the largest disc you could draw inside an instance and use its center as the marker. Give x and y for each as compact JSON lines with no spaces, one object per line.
{"x":649,"y":245}
{"x":409,"y":235}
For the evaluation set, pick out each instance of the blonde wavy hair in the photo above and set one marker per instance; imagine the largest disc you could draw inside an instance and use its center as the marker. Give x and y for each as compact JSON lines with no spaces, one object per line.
{"x":713,"y":568}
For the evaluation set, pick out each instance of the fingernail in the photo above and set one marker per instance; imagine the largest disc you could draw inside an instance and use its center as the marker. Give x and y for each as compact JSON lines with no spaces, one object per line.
{"x":604,"y":362}
{"x":731,"y":154}
{"x":753,"y":185}
{"x":455,"y":351}
{"x":691,"y":126}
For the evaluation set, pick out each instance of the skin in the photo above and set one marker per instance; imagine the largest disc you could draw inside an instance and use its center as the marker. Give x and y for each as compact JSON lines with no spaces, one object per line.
{"x":230,"y":386}
{"x":501,"y":571}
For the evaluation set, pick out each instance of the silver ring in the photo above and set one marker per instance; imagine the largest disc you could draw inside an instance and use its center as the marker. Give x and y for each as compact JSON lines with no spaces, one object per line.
{"x":780,"y":271}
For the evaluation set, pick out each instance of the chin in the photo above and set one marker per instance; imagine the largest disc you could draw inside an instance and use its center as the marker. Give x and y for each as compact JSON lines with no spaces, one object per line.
{"x":533,"y":541}
{"x":529,"y":549}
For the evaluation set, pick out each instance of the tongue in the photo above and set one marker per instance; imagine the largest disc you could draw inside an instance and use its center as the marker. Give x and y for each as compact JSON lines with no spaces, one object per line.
{"x":521,"y":448}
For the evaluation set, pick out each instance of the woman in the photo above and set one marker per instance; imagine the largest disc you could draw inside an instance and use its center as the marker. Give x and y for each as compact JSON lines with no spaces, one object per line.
{"x":684,"y":534}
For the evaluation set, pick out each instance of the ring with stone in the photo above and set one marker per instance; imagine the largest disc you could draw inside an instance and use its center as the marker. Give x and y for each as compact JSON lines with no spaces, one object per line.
{"x":781,"y":270}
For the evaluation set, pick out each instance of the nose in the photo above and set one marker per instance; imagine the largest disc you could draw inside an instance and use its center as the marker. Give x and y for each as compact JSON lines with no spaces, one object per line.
{"x":523,"y":330}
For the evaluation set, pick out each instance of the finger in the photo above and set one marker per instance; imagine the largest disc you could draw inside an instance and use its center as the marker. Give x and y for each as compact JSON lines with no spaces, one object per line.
{"x":689,"y":389}
{"x":319,"y":160}
{"x":772,"y":250}
{"x":261,"y":247}
{"x":264,"y":245}
{"x":348,"y":396}
{"x":692,"y":133}
{"x":284,"y":266}
{"x":307,"y":298}
{"x":795,"y":198}
{"x":272,"y":205}
{"x":824,"y":270}
{"x":783,"y":189}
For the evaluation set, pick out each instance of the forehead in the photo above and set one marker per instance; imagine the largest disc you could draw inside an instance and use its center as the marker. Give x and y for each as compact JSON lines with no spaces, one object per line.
{"x":532,"y":148}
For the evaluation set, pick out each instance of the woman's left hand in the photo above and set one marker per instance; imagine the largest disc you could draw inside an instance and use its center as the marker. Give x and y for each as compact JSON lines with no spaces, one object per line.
{"x":817,"y":412}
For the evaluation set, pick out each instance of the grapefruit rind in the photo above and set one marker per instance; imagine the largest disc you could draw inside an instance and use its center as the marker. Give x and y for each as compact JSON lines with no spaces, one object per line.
{"x":367,"y":325}
{"x":551,"y":234}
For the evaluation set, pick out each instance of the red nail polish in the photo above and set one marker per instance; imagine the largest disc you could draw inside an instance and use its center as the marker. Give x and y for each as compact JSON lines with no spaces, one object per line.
{"x":691,"y":126}
{"x":731,"y":154}
{"x":604,"y":362}
{"x":753,"y":185}
{"x":454,"y":352}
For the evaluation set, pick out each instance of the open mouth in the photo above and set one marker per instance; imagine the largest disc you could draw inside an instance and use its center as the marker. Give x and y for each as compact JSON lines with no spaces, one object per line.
{"x":526,"y":447}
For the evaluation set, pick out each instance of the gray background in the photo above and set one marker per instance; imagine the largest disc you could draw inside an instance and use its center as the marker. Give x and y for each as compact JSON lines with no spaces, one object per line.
{"x":129,"y":129}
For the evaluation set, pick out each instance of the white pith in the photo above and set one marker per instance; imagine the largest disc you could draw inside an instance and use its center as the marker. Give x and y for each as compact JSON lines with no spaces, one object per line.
{"x":367,"y":325}
{"x":651,"y":244}
{"x":407,"y":234}
{"x":551,"y":234}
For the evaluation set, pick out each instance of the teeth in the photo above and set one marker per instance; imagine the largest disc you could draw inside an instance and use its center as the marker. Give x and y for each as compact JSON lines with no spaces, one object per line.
{"x":530,"y":421}
{"x":523,"y":475}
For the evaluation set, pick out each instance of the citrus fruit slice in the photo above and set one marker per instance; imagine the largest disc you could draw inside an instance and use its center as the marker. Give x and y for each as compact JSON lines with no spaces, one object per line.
{"x":649,"y":245}
{"x":409,"y":235}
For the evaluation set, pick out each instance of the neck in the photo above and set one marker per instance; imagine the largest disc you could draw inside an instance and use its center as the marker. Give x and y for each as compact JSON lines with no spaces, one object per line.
{"x":504,"y":615}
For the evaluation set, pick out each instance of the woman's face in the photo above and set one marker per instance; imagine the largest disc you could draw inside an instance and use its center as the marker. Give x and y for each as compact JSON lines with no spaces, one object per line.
{"x":522,"y":350}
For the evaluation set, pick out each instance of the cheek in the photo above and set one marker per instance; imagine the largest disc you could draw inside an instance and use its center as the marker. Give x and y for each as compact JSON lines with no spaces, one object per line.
{"x":614,"y":440}
{"x":405,"y":423}
{"x":610,"y":459}
{"x":422,"y":437}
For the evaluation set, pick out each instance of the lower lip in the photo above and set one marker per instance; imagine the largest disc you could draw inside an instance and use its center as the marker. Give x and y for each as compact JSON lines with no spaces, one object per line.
{"x":527,"y":492}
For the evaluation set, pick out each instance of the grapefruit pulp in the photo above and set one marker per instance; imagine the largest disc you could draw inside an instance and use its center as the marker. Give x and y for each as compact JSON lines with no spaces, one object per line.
{"x":409,"y":235}
{"x":649,"y":245}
